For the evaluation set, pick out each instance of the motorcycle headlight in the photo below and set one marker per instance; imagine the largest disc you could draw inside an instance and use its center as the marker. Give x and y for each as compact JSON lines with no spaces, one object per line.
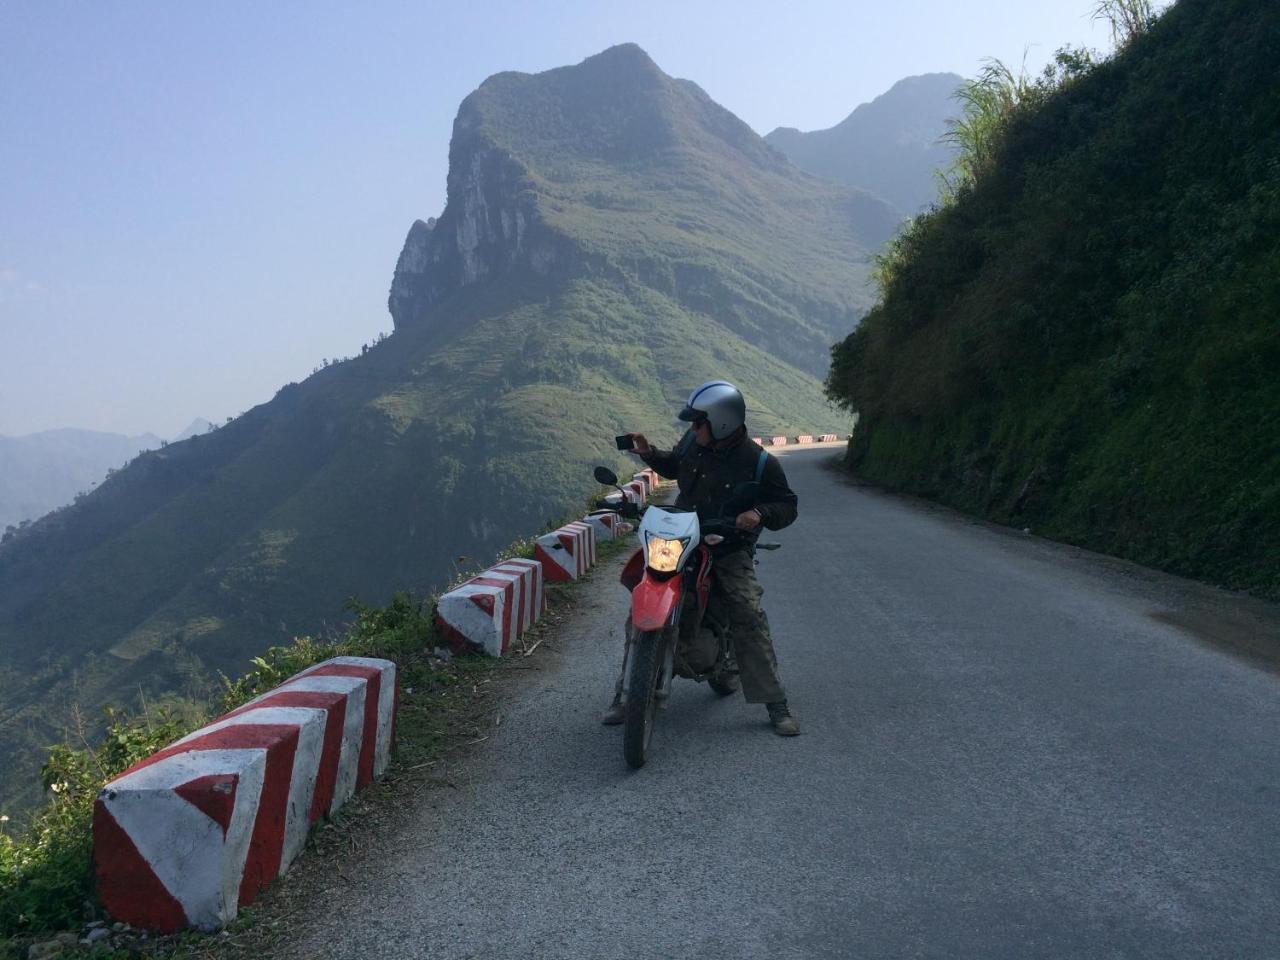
{"x":664,"y":554}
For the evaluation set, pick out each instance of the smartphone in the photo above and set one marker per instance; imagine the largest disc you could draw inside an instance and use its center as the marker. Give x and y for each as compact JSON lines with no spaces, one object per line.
{"x":624,"y":442}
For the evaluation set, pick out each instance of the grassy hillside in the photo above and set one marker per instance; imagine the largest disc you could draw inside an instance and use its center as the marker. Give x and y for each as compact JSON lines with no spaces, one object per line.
{"x":1086,"y":340}
{"x":551,"y":308}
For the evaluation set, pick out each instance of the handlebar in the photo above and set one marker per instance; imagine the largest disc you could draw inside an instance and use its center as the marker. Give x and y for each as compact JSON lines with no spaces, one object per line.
{"x":724,"y":527}
{"x":625,"y":509}
{"x":730,"y":531}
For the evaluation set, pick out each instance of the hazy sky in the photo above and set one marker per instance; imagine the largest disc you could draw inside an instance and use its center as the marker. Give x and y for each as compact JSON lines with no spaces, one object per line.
{"x":199,"y":201}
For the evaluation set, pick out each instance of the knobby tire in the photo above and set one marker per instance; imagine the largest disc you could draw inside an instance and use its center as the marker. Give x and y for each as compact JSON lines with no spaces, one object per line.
{"x":641,"y":704}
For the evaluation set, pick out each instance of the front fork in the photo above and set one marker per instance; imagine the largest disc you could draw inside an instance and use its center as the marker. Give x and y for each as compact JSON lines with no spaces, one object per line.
{"x":664,"y":684}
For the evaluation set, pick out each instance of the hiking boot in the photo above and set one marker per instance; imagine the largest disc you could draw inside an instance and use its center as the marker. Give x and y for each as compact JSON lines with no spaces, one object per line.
{"x":784,"y":724}
{"x":724,"y":682}
{"x":613,"y":716}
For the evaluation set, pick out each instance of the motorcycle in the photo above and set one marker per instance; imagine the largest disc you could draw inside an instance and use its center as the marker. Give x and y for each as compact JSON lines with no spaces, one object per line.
{"x":669,"y":577}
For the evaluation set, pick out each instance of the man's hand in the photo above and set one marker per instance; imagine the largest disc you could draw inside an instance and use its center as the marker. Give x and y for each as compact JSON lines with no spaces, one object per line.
{"x":641,"y":444}
{"x":748,"y":520}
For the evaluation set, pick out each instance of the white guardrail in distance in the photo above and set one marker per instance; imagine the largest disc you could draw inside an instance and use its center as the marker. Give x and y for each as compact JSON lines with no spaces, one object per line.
{"x":828,"y":438}
{"x":191,"y":834}
{"x":805,"y":438}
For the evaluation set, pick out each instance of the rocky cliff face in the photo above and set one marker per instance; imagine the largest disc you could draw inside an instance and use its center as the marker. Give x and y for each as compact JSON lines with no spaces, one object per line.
{"x":490,"y":225}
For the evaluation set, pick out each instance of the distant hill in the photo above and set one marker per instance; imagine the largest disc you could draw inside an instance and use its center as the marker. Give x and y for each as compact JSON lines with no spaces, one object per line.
{"x":1087,"y":342}
{"x":42,"y":471}
{"x":198,"y":425}
{"x":890,"y":146}
{"x":611,"y":238}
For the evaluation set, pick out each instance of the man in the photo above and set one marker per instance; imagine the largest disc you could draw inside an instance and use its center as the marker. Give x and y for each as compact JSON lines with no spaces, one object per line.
{"x":714,"y":457}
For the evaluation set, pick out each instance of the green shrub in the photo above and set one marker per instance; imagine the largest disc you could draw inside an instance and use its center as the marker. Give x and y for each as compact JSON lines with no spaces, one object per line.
{"x":46,"y":869}
{"x":1083,"y":340}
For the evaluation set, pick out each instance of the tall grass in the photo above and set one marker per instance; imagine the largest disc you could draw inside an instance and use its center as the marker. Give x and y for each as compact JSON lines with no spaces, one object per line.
{"x":1128,"y":18}
{"x":987,"y":102}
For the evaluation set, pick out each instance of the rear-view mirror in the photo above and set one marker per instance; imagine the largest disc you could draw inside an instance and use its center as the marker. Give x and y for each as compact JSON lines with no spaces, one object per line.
{"x":606,"y":476}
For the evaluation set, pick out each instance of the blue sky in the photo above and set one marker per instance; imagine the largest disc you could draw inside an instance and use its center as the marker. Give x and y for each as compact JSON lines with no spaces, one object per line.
{"x":200,"y":201}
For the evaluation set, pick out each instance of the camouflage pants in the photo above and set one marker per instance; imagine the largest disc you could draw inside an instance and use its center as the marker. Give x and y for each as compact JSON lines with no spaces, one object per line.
{"x":735,"y":599}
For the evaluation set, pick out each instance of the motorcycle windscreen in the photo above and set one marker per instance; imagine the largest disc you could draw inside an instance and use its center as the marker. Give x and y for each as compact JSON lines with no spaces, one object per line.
{"x":656,"y":603}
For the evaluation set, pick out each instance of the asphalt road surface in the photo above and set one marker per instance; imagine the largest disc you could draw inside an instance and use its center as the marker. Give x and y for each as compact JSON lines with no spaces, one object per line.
{"x":1012,"y":749}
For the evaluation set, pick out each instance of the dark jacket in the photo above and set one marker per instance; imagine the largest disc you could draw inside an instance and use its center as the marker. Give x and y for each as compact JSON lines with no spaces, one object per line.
{"x":706,"y":478}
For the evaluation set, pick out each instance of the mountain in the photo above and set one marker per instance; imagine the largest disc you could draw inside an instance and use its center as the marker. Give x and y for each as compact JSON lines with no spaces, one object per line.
{"x":198,"y":425}
{"x":611,"y":238}
{"x":1086,"y":342}
{"x":42,"y":471}
{"x":889,"y":147}
{"x":612,"y":170}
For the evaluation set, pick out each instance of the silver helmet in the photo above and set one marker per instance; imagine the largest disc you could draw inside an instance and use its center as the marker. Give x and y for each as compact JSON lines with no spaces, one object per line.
{"x":720,"y":403}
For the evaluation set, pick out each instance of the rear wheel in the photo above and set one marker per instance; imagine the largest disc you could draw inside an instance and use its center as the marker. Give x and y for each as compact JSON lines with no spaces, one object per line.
{"x":647,"y":654}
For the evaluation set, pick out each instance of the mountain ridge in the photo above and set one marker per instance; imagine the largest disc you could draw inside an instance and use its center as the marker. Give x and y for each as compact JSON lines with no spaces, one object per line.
{"x":524,"y":203}
{"x":42,"y":471}
{"x":889,"y":146}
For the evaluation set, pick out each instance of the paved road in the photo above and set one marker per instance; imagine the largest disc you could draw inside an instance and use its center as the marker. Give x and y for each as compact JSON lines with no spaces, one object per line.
{"x":1012,"y":748}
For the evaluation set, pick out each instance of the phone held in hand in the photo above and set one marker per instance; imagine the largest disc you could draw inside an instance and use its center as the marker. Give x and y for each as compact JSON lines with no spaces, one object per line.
{"x":624,"y":442}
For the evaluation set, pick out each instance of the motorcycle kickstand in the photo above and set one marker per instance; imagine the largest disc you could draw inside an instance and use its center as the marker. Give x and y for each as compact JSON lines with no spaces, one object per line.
{"x":622,"y":674}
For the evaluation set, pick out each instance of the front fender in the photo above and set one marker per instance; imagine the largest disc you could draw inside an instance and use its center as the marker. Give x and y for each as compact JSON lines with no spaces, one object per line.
{"x":633,"y":572}
{"x":656,"y":603}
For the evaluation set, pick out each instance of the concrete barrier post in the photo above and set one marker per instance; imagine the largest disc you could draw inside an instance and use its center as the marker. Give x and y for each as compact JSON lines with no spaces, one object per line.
{"x":605,"y":523}
{"x":530,"y":571}
{"x":194,"y":832}
{"x":587,"y":537}
{"x":476,"y":614}
{"x":567,"y":553}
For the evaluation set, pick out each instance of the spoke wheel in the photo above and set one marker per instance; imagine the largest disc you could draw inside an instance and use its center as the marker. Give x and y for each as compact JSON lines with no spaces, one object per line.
{"x":647,"y":653}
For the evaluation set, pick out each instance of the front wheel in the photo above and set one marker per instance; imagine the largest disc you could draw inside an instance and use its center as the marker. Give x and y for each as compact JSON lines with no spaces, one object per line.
{"x":641,"y":704}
